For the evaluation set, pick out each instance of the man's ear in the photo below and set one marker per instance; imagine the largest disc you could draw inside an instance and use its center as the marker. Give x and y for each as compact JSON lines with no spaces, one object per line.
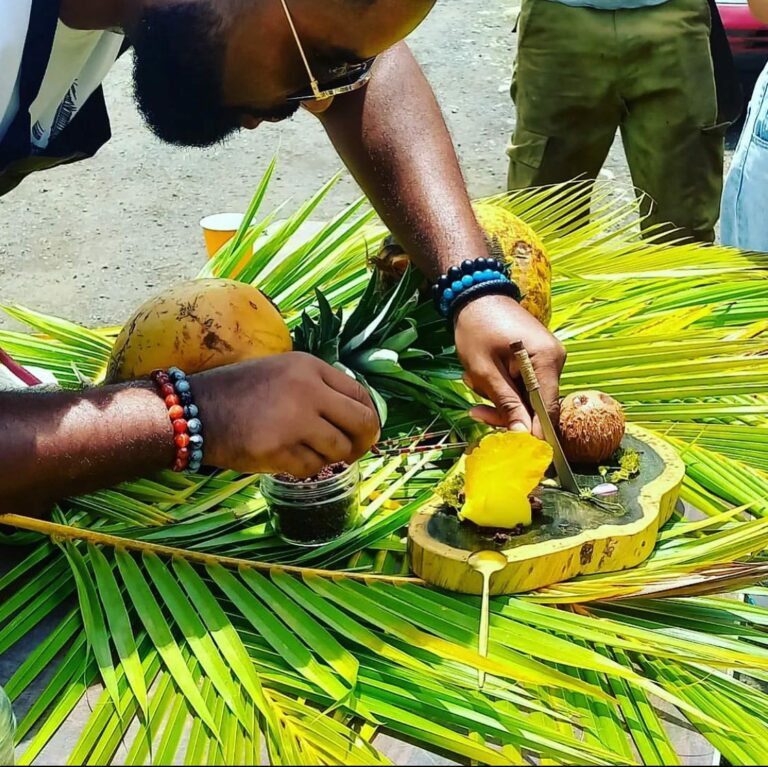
{"x":317,"y":107}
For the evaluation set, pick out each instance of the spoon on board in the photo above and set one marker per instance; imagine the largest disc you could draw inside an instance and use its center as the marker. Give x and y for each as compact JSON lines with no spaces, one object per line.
{"x":487,"y":563}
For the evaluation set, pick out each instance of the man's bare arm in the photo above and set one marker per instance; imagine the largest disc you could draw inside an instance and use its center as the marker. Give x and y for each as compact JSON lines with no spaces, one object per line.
{"x":291,"y":412}
{"x":392,"y":136}
{"x":62,"y":443}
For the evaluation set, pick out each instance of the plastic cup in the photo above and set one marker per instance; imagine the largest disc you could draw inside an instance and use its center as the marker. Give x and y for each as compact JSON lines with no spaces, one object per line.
{"x":219,"y":229}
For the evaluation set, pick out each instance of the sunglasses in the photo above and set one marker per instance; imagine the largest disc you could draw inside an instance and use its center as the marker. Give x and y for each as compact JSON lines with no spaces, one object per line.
{"x":343,"y":79}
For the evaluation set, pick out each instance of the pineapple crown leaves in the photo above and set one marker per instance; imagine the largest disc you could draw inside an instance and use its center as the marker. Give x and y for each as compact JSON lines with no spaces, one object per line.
{"x":320,"y":336}
{"x":379,"y":313}
{"x":376,"y":343}
{"x":378,"y":322}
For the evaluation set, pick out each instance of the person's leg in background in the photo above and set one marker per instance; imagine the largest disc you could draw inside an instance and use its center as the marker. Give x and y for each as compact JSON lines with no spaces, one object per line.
{"x":567,"y":108}
{"x":672,"y":138}
{"x":744,"y":222}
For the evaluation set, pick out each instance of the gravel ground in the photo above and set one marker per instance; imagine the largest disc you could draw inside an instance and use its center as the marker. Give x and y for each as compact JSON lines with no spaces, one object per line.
{"x":91,"y":240}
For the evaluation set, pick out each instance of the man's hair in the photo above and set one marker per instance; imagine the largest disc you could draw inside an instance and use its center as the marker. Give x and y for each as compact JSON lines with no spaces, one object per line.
{"x":178,"y":73}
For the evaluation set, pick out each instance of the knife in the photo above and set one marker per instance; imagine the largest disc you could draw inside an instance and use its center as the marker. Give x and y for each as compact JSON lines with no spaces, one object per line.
{"x":564,"y":473}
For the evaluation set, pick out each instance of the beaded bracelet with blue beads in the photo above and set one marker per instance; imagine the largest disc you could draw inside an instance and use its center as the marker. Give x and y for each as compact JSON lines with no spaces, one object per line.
{"x":462,"y":284}
{"x":176,"y":391}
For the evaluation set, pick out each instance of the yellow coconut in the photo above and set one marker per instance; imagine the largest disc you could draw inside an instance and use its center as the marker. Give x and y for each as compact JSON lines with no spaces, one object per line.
{"x":514,"y":242}
{"x":198,"y":325}
{"x":591,"y":427}
{"x":510,"y":240}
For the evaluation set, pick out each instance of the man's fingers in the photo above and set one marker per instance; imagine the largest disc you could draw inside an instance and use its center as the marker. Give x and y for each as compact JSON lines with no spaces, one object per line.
{"x":511,"y":412}
{"x":536,"y":428}
{"x":302,"y":461}
{"x":346,"y":385}
{"x":550,"y":393}
{"x":549,"y":387}
{"x":488,"y":414}
{"x":330,"y":442}
{"x":358,"y":421}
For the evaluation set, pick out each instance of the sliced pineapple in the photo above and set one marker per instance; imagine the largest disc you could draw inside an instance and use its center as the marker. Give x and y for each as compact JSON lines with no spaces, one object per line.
{"x":500,"y":474}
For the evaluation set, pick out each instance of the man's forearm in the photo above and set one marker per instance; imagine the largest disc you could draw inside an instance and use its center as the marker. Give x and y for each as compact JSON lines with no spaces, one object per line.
{"x":57,"y":444}
{"x":393,"y":138}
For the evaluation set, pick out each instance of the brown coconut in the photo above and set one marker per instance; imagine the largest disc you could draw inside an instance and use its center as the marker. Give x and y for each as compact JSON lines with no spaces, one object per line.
{"x":591,"y":427}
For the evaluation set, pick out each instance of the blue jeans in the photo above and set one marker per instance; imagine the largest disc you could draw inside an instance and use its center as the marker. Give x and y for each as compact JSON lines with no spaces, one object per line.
{"x":744,"y":218}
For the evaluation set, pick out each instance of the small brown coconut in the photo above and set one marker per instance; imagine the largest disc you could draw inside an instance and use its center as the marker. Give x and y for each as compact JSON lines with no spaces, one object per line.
{"x":591,"y":426}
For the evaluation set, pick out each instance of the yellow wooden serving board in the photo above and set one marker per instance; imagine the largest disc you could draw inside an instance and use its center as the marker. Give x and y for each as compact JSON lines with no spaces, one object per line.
{"x":569,"y":538}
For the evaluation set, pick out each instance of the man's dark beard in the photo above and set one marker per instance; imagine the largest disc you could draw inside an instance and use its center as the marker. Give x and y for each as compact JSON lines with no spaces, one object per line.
{"x":178,"y":75}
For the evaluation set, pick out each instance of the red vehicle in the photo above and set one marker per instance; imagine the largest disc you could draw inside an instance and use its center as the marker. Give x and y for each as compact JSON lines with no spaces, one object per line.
{"x":747,"y":36}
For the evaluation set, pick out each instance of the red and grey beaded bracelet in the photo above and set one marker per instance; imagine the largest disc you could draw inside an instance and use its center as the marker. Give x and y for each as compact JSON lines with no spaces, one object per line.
{"x":172,"y":385}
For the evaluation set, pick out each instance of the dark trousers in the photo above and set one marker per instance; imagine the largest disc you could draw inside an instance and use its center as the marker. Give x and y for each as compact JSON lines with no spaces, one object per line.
{"x":583,"y":73}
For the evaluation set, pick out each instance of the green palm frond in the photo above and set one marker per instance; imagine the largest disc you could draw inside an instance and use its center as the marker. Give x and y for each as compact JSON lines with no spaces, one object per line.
{"x":179,"y":580}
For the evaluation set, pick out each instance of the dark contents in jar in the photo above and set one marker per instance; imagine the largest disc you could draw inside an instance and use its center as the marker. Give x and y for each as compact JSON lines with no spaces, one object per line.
{"x":327,"y":472}
{"x":321,"y":521}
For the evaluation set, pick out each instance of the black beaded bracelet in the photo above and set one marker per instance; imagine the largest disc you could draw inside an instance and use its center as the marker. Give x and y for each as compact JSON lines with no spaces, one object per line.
{"x":492,"y":288}
{"x":483,"y":276}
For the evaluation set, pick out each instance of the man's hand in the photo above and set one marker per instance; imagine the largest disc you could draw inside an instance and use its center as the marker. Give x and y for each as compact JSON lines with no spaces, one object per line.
{"x":288,"y":413}
{"x":485,"y":328}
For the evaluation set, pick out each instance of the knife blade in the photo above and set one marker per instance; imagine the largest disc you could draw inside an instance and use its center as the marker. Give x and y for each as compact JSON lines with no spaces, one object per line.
{"x":562,"y":467}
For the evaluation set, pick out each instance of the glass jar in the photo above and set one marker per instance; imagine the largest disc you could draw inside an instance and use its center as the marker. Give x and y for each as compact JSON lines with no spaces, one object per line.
{"x":7,"y":729}
{"x":311,"y":513}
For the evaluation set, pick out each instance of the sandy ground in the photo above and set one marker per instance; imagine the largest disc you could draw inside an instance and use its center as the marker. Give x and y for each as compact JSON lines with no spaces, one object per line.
{"x":91,"y":240}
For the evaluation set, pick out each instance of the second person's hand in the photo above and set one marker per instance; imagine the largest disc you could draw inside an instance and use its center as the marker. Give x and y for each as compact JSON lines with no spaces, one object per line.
{"x":289,"y":413}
